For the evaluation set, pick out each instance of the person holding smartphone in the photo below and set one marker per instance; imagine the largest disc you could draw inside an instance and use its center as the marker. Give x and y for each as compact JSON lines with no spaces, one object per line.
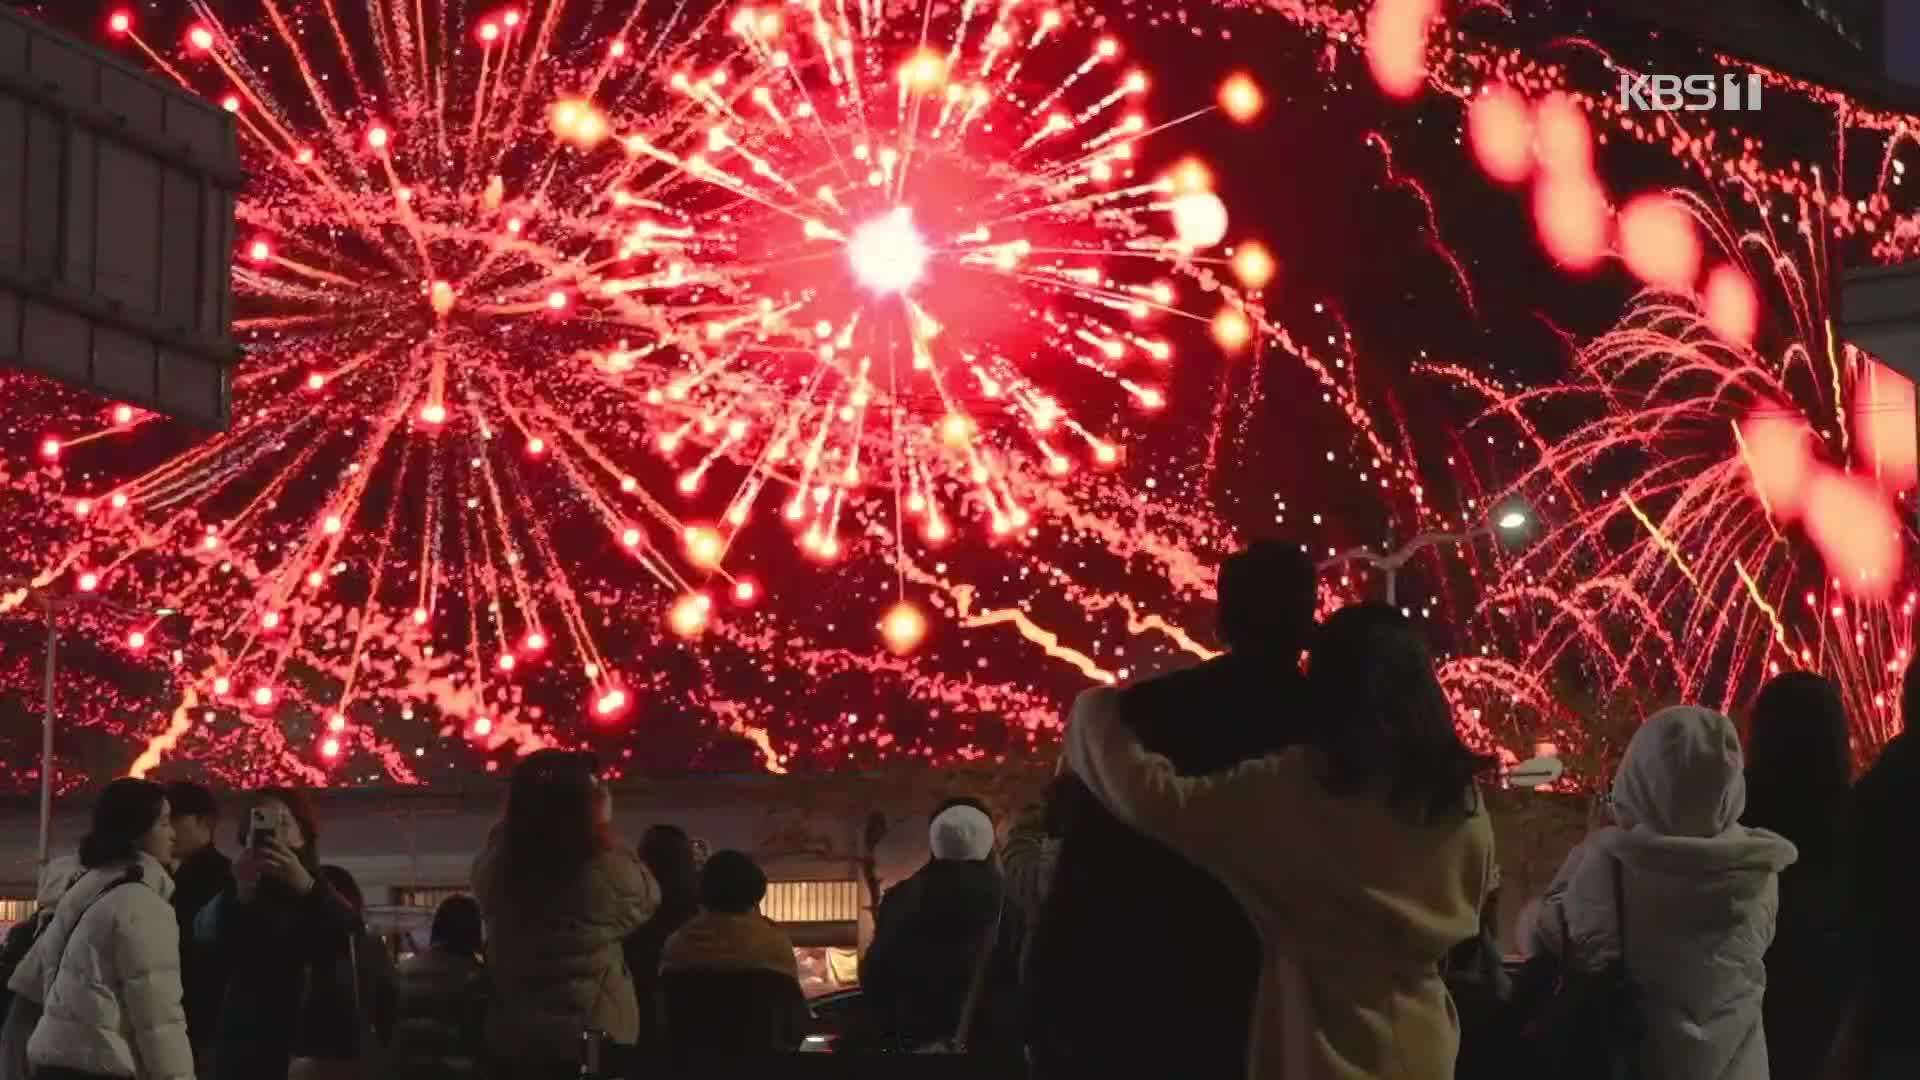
{"x":283,"y":932}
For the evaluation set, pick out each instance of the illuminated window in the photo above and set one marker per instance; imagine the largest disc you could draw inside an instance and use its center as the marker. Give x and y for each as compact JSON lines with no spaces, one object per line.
{"x":812,"y":901}
{"x":13,"y":910}
{"x":427,"y":898}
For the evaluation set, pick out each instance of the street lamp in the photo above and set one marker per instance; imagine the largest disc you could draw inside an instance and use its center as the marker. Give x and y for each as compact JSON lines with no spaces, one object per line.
{"x":1511,"y":520}
{"x":53,"y":605}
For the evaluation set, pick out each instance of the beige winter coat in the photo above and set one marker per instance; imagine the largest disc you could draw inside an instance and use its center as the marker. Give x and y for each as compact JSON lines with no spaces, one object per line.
{"x":557,"y":967}
{"x":1354,"y":906}
{"x":107,"y":975}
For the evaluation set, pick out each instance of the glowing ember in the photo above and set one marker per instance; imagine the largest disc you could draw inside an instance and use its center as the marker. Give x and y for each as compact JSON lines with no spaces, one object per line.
{"x":904,"y":627}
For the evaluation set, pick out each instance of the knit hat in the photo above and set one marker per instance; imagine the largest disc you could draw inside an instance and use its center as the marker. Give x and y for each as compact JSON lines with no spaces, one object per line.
{"x":960,"y":834}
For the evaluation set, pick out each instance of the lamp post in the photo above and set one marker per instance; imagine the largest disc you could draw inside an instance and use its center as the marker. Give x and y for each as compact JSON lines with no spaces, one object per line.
{"x":52,"y":606}
{"x":1512,"y":520}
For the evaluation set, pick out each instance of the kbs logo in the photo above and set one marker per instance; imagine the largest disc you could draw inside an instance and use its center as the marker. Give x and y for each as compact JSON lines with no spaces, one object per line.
{"x":1689,"y":93}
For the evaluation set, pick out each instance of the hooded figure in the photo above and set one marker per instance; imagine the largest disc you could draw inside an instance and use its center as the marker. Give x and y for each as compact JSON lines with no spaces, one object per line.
{"x":1701,"y":892}
{"x":929,"y":933}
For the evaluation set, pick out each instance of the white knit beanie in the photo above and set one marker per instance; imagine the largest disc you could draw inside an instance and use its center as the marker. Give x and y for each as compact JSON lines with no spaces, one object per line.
{"x":960,"y":834}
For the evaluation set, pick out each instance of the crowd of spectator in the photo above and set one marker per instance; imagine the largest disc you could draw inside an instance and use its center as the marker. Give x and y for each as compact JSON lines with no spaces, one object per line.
{"x":1303,"y":855}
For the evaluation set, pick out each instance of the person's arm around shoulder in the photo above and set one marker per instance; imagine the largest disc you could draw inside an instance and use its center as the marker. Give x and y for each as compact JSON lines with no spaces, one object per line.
{"x":146,"y":944}
{"x":1203,"y":817}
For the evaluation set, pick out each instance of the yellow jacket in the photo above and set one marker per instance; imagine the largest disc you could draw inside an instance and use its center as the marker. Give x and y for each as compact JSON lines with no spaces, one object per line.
{"x":1354,"y":905}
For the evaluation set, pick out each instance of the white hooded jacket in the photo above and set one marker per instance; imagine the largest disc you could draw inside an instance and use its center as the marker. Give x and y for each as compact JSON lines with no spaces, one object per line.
{"x":110,"y":999}
{"x":1701,"y":893}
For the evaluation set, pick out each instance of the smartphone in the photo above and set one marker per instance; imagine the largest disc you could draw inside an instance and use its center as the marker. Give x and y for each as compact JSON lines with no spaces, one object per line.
{"x":262,"y":824}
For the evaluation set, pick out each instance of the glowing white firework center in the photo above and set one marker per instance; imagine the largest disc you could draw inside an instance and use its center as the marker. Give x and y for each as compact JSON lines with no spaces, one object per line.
{"x":887,"y":253}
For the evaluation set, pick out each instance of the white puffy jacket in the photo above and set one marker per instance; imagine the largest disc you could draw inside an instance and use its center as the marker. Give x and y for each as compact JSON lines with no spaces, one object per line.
{"x":1701,"y":892}
{"x":110,"y":1000}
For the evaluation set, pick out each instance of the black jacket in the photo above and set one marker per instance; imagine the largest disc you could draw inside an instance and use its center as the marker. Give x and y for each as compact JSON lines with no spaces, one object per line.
{"x":643,"y":949}
{"x":1814,"y":966}
{"x":927,"y":938}
{"x":290,"y":990}
{"x":442,"y":1000}
{"x":203,"y":977}
{"x":1119,"y":900}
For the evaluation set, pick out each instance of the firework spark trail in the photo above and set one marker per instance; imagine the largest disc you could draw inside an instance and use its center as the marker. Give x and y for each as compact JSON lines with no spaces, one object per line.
{"x":488,"y":255}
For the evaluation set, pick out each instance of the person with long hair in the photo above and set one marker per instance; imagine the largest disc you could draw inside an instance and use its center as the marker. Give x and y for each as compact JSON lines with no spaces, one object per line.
{"x":282,"y":931}
{"x":1361,"y":856}
{"x":560,"y":894}
{"x":667,"y":853}
{"x":1881,"y":1041}
{"x":106,"y":971}
{"x":1799,"y":785}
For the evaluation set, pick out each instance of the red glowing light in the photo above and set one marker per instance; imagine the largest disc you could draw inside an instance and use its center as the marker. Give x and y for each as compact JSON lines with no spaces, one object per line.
{"x":1240,"y":97}
{"x":377,"y":137}
{"x":50,"y":448}
{"x":904,"y":628}
{"x":744,"y":591}
{"x":1779,"y":457}
{"x":263,"y":696}
{"x":489,"y":32}
{"x":434,"y":414}
{"x":1733,"y":308}
{"x":222,"y":684}
{"x":536,"y":446}
{"x":231,"y":103}
{"x":119,"y":501}
{"x":536,"y":641}
{"x":1565,"y":138}
{"x":123,"y":414}
{"x":82,"y":507}
{"x":200,"y":38}
{"x":482,"y":726}
{"x":511,"y":18}
{"x":1660,"y":243}
{"x":630,"y":537}
{"x":557,"y":300}
{"x":688,"y":616}
{"x":332,"y":525}
{"x":611,"y":702}
{"x":260,"y":252}
{"x":316,"y":380}
{"x":1397,"y":44}
{"x":120,"y":22}
{"x":336,"y":723}
{"x":330,"y":747}
{"x":1857,"y":533}
{"x":420,"y":616}
{"x":136,"y":640}
{"x":1883,"y":418}
{"x":89,"y":581}
{"x":1501,"y":128}
{"x":506,"y":662}
{"x":1571,"y":213}
{"x":270,"y":619}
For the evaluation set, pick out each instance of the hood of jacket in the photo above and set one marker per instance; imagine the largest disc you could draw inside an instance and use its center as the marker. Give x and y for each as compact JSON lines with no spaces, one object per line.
{"x":1677,"y":797}
{"x":715,"y":941}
